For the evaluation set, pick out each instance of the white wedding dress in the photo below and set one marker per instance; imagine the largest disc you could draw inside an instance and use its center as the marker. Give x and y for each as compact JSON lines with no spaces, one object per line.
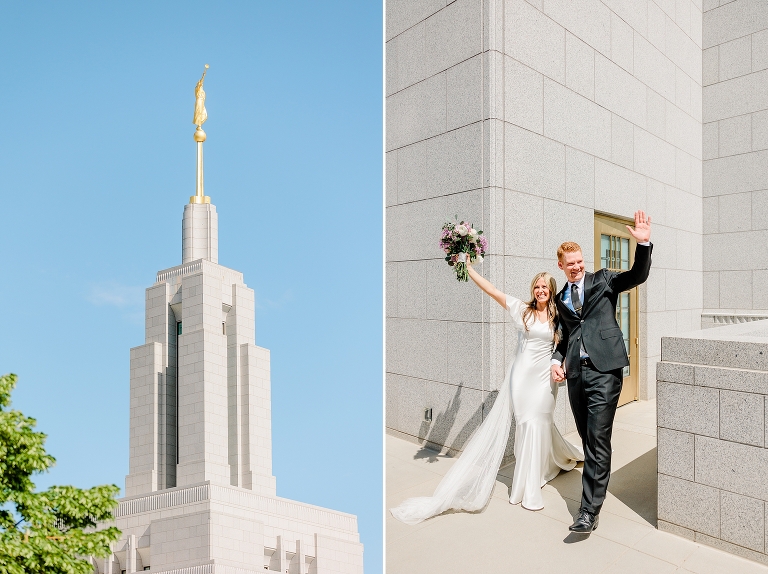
{"x":540,"y":450}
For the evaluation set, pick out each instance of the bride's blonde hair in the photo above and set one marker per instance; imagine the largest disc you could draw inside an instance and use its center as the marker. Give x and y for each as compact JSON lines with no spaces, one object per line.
{"x":530,"y":307}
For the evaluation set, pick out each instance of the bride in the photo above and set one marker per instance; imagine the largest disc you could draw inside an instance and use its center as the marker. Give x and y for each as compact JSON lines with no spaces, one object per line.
{"x":528,"y":392}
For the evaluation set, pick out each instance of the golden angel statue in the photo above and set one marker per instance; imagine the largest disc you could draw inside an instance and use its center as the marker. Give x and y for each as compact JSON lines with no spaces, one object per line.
{"x":200,"y":114}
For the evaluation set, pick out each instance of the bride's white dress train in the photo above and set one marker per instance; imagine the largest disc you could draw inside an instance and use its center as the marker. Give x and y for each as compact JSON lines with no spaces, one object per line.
{"x":540,"y":450}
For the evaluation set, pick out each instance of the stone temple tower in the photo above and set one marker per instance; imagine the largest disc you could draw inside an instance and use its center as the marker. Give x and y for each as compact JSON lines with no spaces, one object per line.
{"x":200,"y":494}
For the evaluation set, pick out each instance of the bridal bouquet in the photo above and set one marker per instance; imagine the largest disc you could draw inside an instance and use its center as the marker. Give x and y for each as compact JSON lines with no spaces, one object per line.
{"x":458,"y":239}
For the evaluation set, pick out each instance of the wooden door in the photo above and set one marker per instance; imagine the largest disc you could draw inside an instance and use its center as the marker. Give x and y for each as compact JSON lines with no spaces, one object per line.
{"x":615,"y":250}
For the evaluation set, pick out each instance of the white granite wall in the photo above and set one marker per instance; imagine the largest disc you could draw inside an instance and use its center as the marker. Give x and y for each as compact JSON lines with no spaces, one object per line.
{"x":736,"y":156}
{"x":437,"y":330}
{"x":598,"y":108}
{"x":195,"y":538}
{"x":712,"y":457}
{"x":527,"y":117}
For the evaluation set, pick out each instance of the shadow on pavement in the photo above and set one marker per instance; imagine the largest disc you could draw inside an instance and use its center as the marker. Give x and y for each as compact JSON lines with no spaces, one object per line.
{"x":572,"y":538}
{"x":636,"y":485}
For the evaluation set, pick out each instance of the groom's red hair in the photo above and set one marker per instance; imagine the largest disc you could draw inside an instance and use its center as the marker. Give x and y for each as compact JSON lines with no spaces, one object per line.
{"x":567,"y":247}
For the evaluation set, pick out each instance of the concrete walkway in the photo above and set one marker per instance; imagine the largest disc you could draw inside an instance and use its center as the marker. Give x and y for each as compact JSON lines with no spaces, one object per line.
{"x":506,"y":538}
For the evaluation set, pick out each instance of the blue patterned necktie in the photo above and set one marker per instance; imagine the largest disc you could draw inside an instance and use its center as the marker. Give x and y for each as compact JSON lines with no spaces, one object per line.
{"x":575,"y":299}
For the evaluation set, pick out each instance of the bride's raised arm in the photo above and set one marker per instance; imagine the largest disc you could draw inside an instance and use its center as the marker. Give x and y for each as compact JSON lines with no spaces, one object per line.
{"x":486,"y":286}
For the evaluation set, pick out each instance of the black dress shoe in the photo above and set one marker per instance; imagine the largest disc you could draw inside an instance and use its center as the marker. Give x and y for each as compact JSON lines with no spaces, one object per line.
{"x":585,"y":522}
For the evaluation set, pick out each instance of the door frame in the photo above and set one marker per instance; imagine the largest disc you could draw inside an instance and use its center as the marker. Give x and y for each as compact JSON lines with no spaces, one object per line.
{"x":616,"y":226}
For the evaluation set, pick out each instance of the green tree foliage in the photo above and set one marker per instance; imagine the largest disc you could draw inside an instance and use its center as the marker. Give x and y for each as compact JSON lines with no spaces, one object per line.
{"x":53,"y":531}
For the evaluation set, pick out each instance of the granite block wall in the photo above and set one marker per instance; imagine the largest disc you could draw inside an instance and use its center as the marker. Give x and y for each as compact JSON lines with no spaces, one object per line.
{"x":528,"y":118}
{"x":438,"y":352}
{"x":712,"y":442}
{"x":195,"y":538}
{"x":203,"y":400}
{"x":735,"y":140}
{"x":144,"y":460}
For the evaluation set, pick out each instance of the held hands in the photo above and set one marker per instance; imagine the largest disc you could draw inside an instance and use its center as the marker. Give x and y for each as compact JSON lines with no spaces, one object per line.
{"x":642,"y":230}
{"x":558,"y":374}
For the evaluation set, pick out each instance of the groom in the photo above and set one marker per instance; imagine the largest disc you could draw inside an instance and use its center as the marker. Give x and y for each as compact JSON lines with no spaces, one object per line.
{"x":593,"y":355}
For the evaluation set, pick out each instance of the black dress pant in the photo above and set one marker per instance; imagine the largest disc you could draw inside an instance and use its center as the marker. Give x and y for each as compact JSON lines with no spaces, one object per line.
{"x":594,"y":397}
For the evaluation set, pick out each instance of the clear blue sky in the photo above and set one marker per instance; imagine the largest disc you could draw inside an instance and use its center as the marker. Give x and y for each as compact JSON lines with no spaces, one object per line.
{"x":96,"y":164}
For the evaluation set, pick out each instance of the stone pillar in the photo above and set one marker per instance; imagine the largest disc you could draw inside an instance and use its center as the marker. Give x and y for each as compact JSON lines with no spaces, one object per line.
{"x":202,"y":383}
{"x":256,"y":422}
{"x":248,"y":394}
{"x":278,"y":561}
{"x":240,"y":330}
{"x":131,"y":555}
{"x":200,"y":233}
{"x":153,"y":399}
{"x":146,"y":371}
{"x":299,"y":559}
{"x":161,"y":328}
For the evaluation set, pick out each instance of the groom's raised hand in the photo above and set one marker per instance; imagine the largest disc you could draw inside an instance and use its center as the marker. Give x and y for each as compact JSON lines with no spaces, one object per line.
{"x":642,"y":230}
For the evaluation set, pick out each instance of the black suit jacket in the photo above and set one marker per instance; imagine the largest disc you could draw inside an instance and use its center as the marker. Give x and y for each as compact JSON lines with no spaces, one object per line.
{"x":597,"y":328}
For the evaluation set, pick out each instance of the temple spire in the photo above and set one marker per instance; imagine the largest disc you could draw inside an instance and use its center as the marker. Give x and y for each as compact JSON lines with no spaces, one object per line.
{"x":199,"y":119}
{"x":200,"y":224}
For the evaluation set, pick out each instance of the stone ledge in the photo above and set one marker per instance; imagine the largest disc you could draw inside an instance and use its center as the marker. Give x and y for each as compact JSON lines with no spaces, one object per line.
{"x":730,"y":379}
{"x":307,"y":513}
{"x":213,"y":568}
{"x":725,"y":378}
{"x":734,"y":354}
{"x":743,"y":346}
{"x":710,"y":319}
{"x":173,"y":275}
{"x":202,"y":569}
{"x":674,"y":373}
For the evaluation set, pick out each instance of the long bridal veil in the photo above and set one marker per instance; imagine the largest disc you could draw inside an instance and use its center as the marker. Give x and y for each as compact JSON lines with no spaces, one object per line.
{"x":468,"y":483}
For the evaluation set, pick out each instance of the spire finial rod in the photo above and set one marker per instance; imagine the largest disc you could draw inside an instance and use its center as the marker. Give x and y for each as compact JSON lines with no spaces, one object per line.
{"x":199,"y":119}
